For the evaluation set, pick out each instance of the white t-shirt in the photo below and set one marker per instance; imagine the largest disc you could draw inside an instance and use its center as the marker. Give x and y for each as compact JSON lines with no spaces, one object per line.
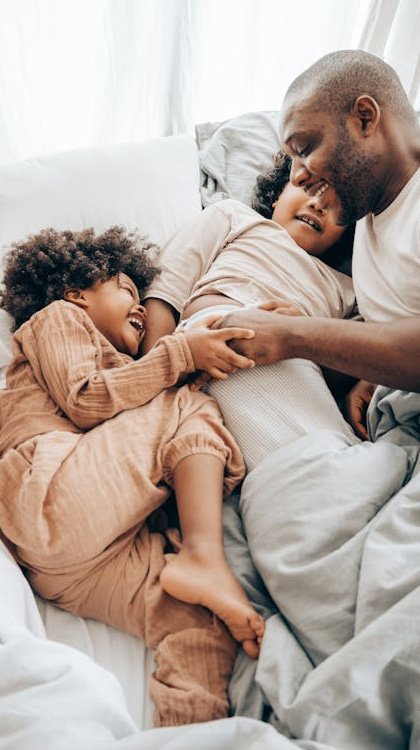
{"x":386,"y":258}
{"x":230,"y":249}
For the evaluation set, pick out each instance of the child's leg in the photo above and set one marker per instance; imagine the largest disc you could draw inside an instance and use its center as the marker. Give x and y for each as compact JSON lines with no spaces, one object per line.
{"x":84,"y":544}
{"x":194,"y":652}
{"x":199,"y":573}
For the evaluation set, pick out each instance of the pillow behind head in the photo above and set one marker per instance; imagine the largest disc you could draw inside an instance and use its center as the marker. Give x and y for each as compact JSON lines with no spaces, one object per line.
{"x":234,"y":152}
{"x":152,"y":186}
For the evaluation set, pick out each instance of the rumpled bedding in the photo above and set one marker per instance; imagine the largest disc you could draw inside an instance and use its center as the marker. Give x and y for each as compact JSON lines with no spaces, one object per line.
{"x":334,"y":531}
{"x":234,"y":152}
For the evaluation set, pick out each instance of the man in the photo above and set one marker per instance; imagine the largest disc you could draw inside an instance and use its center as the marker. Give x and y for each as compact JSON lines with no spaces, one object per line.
{"x":347,"y":121}
{"x":334,"y":528}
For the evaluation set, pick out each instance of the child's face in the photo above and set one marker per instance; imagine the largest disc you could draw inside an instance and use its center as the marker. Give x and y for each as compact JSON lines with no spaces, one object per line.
{"x":115,"y":309}
{"x":311,"y":220}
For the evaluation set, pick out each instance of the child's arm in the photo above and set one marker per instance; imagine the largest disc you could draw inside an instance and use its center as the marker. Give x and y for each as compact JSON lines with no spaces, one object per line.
{"x":70,"y":361}
{"x":65,"y":351}
{"x":184,"y":260}
{"x":161,"y":321}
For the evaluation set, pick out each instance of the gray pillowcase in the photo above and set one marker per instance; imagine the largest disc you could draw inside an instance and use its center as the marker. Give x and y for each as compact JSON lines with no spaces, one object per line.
{"x":234,"y":152}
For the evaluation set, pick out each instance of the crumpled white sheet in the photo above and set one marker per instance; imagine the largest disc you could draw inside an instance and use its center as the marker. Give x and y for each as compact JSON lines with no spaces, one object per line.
{"x":57,"y":698}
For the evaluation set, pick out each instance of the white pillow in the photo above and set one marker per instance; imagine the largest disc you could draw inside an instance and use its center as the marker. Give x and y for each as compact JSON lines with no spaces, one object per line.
{"x":152,"y":185}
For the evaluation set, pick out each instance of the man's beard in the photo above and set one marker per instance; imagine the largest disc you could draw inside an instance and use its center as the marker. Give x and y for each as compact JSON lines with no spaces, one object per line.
{"x":353,"y":178}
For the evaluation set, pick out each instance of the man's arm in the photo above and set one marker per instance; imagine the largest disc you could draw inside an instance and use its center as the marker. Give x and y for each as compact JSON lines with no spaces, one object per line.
{"x":385,"y":353}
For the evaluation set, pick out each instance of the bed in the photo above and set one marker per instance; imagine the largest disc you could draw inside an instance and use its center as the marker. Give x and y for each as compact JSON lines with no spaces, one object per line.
{"x":68,"y":682}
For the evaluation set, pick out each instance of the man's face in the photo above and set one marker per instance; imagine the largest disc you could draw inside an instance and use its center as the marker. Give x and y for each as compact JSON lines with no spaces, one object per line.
{"x":323,"y":148}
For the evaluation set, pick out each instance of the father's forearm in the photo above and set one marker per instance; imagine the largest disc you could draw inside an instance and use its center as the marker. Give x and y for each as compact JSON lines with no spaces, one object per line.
{"x":385,"y":353}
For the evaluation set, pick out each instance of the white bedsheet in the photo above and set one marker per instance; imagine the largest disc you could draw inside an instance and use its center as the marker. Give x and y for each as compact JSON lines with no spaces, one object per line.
{"x":124,"y":655}
{"x":54,"y":697}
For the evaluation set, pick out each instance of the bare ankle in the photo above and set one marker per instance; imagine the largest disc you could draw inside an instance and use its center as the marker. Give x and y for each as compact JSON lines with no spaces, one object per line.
{"x":201,"y":551}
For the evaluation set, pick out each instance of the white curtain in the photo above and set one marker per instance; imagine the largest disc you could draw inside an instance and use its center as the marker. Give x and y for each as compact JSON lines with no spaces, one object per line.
{"x":84,"y":72}
{"x":392,"y":31}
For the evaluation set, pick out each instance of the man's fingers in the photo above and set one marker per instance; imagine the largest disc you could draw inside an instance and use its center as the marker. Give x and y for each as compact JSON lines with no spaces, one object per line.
{"x":270,"y":305}
{"x":360,"y":430}
{"x":357,"y":417}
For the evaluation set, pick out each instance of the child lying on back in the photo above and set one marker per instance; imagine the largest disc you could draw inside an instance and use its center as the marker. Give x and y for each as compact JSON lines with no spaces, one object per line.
{"x":281,"y":256}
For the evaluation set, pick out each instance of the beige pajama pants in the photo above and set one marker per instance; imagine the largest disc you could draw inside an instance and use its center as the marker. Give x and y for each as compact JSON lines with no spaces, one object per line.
{"x":85,"y":545}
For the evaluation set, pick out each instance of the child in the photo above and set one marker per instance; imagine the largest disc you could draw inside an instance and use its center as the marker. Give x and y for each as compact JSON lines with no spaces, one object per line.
{"x":91,"y":439}
{"x":230,"y":257}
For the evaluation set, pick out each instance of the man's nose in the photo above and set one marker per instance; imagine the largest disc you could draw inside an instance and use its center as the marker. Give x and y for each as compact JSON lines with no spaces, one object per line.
{"x":299,"y":174}
{"x":318,"y":203}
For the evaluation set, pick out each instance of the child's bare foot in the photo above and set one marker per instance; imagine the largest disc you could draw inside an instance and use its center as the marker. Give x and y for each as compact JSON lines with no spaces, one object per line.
{"x":200,"y":580}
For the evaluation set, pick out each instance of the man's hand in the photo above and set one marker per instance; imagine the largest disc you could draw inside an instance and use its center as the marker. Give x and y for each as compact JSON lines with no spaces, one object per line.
{"x":356,"y":406}
{"x":386,"y":353}
{"x":210,"y":349}
{"x":283,"y":308}
{"x":270,"y":343}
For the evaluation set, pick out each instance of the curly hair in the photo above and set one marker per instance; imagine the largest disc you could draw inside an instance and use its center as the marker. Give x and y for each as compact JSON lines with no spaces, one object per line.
{"x":41,"y":268}
{"x":271,"y":184}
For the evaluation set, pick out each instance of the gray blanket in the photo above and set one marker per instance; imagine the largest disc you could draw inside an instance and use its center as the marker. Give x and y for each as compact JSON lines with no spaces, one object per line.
{"x":334,"y":531}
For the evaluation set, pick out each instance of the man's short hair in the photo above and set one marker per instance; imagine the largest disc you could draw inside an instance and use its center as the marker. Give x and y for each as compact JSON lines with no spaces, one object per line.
{"x":335,"y":81}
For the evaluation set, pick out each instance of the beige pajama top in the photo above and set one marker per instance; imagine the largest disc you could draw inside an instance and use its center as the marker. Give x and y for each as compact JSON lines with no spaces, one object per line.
{"x":232,"y":250}
{"x":65,"y":388}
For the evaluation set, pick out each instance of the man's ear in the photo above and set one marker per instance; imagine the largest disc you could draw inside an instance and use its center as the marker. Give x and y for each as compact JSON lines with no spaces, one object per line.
{"x":367,"y":113}
{"x":77,"y":296}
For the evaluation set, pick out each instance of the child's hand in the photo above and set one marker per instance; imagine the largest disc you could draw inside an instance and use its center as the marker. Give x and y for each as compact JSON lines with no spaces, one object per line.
{"x":210,"y":349}
{"x":284,"y":308}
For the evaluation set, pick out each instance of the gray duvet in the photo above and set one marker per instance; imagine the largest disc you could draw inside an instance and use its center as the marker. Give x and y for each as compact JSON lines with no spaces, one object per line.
{"x":334,"y":530}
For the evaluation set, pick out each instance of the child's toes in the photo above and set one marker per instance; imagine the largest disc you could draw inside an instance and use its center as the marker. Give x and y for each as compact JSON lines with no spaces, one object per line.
{"x":257,"y":623}
{"x":251,"y":648}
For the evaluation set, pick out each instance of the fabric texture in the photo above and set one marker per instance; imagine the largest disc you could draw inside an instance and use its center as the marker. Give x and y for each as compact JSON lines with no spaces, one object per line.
{"x":79,"y":480}
{"x":386,"y":258}
{"x":232,"y":250}
{"x":269,"y":407}
{"x":334,"y":536}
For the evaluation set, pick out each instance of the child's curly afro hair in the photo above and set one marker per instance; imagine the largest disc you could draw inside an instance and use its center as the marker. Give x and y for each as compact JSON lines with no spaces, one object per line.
{"x":270,"y":184}
{"x":41,"y":268}
{"x":269,"y":187}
